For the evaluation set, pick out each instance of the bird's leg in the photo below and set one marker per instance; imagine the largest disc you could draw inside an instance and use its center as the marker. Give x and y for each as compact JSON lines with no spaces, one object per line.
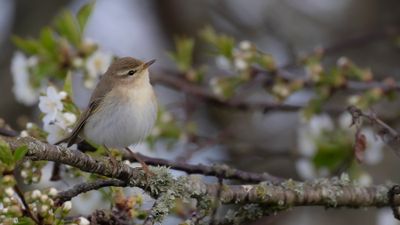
{"x":113,"y":160}
{"x":145,"y":167}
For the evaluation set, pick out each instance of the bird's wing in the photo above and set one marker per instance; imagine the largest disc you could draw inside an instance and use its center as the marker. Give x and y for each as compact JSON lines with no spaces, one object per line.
{"x":102,"y":88}
{"x":73,"y":136}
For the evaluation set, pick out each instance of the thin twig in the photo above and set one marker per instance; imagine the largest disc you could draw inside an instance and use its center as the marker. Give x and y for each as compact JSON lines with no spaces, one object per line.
{"x":222,"y":171}
{"x":27,"y":210}
{"x":389,"y":135}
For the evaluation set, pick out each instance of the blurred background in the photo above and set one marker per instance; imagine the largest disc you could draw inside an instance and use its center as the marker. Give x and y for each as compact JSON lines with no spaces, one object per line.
{"x":287,"y":29}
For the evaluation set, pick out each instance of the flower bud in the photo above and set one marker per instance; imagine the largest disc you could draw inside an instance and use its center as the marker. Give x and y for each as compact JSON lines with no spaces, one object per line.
{"x":66,"y":207}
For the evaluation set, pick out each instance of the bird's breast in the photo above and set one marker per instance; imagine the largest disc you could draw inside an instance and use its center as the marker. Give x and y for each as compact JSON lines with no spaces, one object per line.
{"x":125,"y":117}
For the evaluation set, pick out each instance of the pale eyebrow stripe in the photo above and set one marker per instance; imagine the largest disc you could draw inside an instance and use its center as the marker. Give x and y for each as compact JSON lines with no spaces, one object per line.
{"x":124,"y":72}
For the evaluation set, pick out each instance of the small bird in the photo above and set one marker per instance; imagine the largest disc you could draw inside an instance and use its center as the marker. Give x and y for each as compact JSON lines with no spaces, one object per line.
{"x":122,"y":109}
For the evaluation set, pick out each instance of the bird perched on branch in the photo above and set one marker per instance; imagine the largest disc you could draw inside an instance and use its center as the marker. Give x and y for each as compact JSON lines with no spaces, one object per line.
{"x":122,"y":109}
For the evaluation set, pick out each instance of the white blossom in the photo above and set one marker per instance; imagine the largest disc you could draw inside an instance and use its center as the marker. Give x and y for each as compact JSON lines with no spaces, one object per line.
{"x":55,"y":133}
{"x":223,"y":63}
{"x":215,"y":86}
{"x":10,"y":192}
{"x":24,"y":174}
{"x":23,"y":89}
{"x":364,"y":179}
{"x":245,"y":45}
{"x":29,"y":125}
{"x":67,"y":206}
{"x":51,"y":104}
{"x":83,"y":221}
{"x":320,"y":123}
{"x":59,"y":127}
{"x":373,"y":151}
{"x":240,"y":63}
{"x":36,"y":194}
{"x":96,"y":65}
{"x":53,"y":192}
{"x":305,"y":169}
{"x":24,"y":133}
{"x":345,"y":121}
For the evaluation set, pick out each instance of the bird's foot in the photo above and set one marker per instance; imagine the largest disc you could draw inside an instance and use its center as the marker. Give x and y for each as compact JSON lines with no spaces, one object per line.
{"x":145,"y":167}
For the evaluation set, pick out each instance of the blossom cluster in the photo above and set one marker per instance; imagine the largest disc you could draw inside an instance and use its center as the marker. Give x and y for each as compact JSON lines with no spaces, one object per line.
{"x":56,"y":121}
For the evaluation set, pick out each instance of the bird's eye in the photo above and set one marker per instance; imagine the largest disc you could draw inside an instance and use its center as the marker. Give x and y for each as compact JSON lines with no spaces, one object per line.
{"x":131,"y":72}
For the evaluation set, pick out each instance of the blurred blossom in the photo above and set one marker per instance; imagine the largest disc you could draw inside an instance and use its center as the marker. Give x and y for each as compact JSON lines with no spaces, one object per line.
{"x":216,"y":86}
{"x":345,"y":121}
{"x":222,"y":62}
{"x":385,"y":217}
{"x":23,"y":89}
{"x":305,"y":169}
{"x":320,"y":123}
{"x":373,"y":152}
{"x":96,"y":65}
{"x":310,"y":131}
{"x":240,"y":64}
{"x":83,"y":221}
{"x":364,"y":179}
{"x":245,"y":45}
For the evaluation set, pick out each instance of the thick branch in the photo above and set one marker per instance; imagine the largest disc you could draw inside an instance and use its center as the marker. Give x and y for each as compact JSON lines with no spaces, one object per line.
{"x":326,"y":192}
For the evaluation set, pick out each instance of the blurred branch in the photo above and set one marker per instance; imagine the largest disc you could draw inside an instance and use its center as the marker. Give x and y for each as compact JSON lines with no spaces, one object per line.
{"x":203,"y":93}
{"x":325,"y":192}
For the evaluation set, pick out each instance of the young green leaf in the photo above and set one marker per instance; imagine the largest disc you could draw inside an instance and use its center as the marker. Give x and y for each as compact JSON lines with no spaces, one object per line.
{"x":83,"y":15}
{"x":184,"y":53}
{"x":20,"y":152}
{"x":68,"y":84}
{"x":25,"y":221}
{"x":68,"y":27}
{"x":29,"y":46}
{"x":5,"y":153}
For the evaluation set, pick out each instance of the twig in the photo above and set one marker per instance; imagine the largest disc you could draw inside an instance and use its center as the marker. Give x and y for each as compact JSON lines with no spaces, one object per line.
{"x":27,"y":210}
{"x":389,"y":135}
{"x":8,"y":132}
{"x":85,"y":187}
{"x":205,"y":94}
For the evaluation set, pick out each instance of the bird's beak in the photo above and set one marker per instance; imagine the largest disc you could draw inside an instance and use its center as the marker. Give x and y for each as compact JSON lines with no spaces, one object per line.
{"x":148,"y":64}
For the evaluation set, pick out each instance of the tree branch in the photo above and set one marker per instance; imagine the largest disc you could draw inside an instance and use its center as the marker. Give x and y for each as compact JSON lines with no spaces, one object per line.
{"x":326,"y":192}
{"x":221,"y":171}
{"x":85,"y":187}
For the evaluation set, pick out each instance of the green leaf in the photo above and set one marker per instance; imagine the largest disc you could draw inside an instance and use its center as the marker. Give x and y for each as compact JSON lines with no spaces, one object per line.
{"x":20,"y":152}
{"x":68,"y":27}
{"x":25,"y":221}
{"x":184,"y":53}
{"x":68,"y":84}
{"x":83,"y":15}
{"x":48,"y":42}
{"x":5,"y":153}
{"x":29,"y":46}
